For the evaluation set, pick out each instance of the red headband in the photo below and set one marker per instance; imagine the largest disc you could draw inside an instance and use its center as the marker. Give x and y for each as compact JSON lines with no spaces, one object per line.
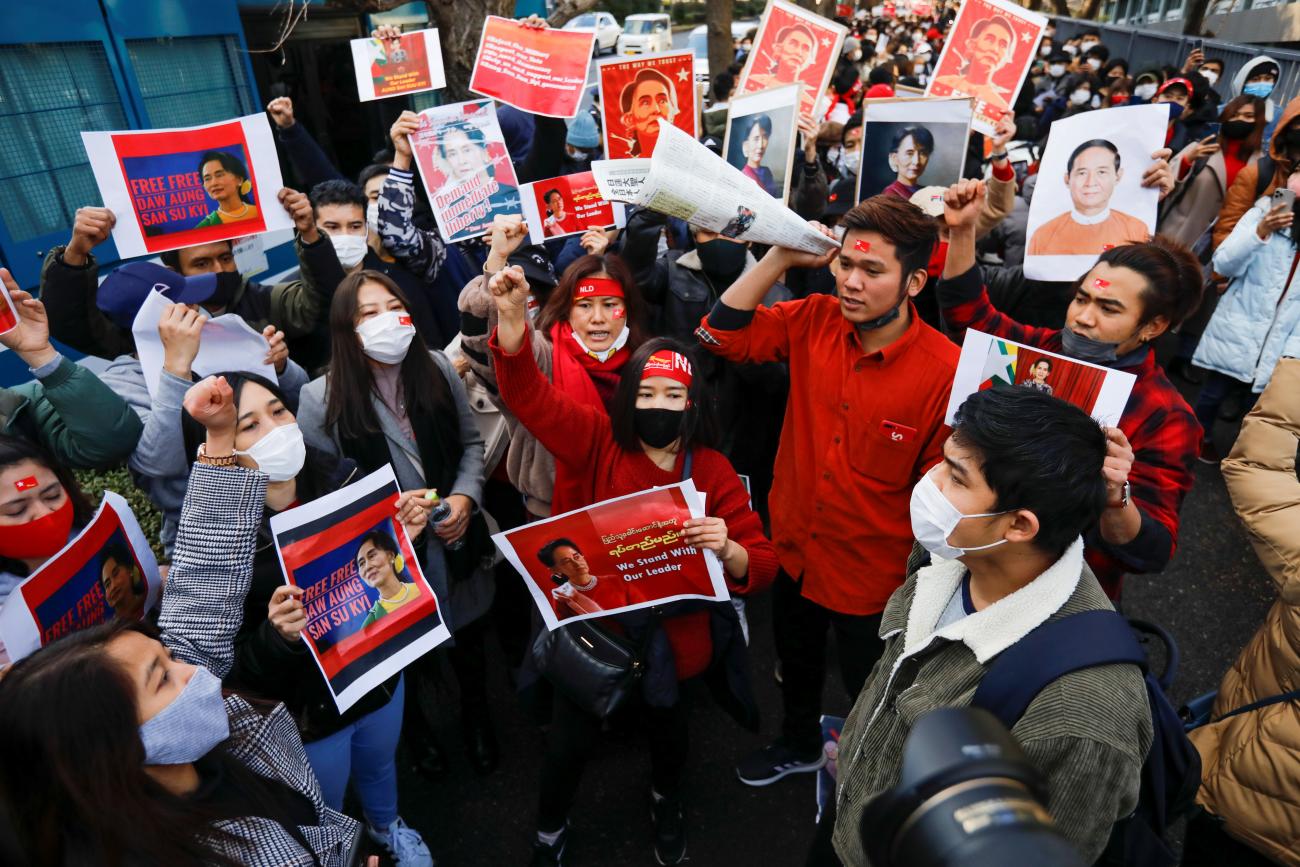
{"x":667,"y":363}
{"x":590,"y":287}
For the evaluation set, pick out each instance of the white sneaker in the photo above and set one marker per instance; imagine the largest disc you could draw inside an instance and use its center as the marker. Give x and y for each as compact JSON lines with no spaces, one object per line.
{"x":404,"y":844}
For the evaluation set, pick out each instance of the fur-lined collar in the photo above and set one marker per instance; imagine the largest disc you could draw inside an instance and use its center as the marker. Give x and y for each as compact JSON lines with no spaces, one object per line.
{"x":991,"y":631}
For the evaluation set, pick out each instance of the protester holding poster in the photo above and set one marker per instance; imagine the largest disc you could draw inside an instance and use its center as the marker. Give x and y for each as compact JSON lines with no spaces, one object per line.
{"x":635,"y":94}
{"x":793,"y":46}
{"x":567,"y":205}
{"x":393,"y":63}
{"x":986,"y":56}
{"x":1132,"y":295}
{"x":656,"y":434}
{"x":535,"y":69}
{"x":386,"y":398}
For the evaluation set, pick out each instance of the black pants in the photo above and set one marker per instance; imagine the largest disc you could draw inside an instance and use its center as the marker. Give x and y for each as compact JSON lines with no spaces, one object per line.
{"x":569,"y":742}
{"x":1208,"y":845}
{"x":800,"y":626}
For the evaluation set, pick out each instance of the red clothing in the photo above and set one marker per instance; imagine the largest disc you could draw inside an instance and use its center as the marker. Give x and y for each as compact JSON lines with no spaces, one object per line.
{"x":1233,"y":162}
{"x":859,"y":431}
{"x":589,"y":382}
{"x":1159,"y":424}
{"x":580,"y":438}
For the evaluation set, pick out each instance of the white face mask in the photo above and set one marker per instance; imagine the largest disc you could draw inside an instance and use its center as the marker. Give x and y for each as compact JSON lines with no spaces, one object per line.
{"x":851,"y":161}
{"x":372,"y":217}
{"x":1071,"y":50}
{"x":1085,"y":47}
{"x":1094,"y":63}
{"x":1144,"y":91}
{"x":1056,"y":70}
{"x":1210,"y":76}
{"x":280,"y":454}
{"x":350,"y":249}
{"x":1081,"y":97}
{"x":934,"y":518}
{"x":1044,"y":50}
{"x":386,"y":337}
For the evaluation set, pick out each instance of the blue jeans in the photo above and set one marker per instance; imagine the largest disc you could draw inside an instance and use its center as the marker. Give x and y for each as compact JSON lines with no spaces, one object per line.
{"x":366,"y":751}
{"x":1213,"y":393}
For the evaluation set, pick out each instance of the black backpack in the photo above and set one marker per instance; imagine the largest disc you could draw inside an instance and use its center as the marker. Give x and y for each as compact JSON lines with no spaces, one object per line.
{"x":1171,"y":773}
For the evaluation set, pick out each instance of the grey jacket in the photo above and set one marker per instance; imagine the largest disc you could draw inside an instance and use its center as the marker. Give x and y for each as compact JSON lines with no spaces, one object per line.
{"x":468,"y":599}
{"x":1088,"y":732}
{"x":159,"y":464}
{"x":202,"y":608}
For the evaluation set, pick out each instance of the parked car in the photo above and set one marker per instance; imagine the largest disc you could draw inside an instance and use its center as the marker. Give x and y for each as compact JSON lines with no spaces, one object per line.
{"x":699,"y":44}
{"x":645,"y":34}
{"x":605,"y":25}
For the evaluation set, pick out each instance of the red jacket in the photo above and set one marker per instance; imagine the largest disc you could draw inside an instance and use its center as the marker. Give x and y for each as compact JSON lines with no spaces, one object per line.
{"x":581,"y":438}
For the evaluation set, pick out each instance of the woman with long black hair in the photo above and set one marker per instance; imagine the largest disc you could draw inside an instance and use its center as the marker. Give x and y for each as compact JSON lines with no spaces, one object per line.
{"x":271,"y":660}
{"x":387,"y":399}
{"x":657,"y":431}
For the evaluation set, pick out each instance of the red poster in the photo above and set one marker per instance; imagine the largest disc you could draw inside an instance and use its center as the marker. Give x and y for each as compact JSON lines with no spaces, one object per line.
{"x":619,"y":555}
{"x":540,"y":71}
{"x":634,"y":94}
{"x":793,"y":45}
{"x":989,"y":50}
{"x":567,"y":205}
{"x":8,"y":312}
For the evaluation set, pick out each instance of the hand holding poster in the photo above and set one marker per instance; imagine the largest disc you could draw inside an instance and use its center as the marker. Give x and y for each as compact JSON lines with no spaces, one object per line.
{"x":908,"y":144}
{"x":690,"y":182}
{"x":107,"y":571}
{"x":466,"y":170}
{"x":176,"y":188}
{"x":397,"y":67}
{"x":636,"y":94}
{"x":987,"y":361}
{"x":567,"y":205}
{"x":619,"y":555}
{"x":990,"y":47}
{"x":793,"y":45}
{"x":370,"y":611}
{"x":535,"y":69}
{"x":1089,"y":196}
{"x":760,"y":139}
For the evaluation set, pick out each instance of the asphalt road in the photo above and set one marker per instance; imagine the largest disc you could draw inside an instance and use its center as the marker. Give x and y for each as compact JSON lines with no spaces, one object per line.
{"x":1212,"y":598}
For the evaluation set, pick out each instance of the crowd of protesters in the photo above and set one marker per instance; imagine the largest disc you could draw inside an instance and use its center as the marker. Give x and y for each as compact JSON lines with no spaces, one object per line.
{"x":523,"y":381}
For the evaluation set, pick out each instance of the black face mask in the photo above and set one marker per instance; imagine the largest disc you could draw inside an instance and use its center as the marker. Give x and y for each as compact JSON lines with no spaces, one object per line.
{"x":575,"y":164}
{"x":658,"y":428}
{"x":722,"y":258}
{"x":1238,"y":129}
{"x":228,"y":284}
{"x":1291,"y":138}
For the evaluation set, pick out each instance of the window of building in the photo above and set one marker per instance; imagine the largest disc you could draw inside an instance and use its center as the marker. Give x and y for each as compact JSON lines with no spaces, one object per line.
{"x":191,"y":80}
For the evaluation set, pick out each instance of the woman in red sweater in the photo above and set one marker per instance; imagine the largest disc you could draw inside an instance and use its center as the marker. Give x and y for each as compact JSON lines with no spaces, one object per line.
{"x":655,"y":420}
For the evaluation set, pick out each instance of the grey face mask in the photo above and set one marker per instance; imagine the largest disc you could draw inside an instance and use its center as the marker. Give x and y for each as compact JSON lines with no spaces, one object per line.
{"x":191,"y":726}
{"x":1087,"y":349}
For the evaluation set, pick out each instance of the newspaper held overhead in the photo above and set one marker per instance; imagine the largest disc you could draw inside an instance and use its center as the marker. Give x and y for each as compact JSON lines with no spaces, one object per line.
{"x":690,"y":182}
{"x":620,"y":180}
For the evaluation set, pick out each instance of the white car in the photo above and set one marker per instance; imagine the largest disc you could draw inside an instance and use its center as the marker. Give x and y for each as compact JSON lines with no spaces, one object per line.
{"x":645,"y":34}
{"x":605,"y":25}
{"x":699,"y":44}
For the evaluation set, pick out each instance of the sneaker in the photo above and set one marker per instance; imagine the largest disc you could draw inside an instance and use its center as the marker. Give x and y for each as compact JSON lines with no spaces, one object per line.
{"x":404,"y":844}
{"x":550,"y":854}
{"x":1209,"y":454}
{"x":776,"y":761}
{"x":670,"y":829}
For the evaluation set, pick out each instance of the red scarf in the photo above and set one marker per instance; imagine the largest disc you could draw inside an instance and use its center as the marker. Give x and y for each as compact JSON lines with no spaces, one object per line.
{"x":590,"y":382}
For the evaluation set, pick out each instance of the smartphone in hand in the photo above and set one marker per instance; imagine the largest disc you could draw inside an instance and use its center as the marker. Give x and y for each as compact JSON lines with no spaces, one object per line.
{"x":1283,"y":198}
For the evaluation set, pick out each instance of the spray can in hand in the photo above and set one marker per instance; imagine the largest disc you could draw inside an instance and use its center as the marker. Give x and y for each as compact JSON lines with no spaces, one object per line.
{"x":441,"y":512}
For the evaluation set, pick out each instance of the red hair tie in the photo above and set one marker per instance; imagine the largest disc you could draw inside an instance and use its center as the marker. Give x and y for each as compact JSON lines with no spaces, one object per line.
{"x":591,"y":287}
{"x":667,"y":363}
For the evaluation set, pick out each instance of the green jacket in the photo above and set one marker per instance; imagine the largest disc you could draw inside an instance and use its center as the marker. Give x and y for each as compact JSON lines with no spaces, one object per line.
{"x":74,"y":416}
{"x":1088,"y":732}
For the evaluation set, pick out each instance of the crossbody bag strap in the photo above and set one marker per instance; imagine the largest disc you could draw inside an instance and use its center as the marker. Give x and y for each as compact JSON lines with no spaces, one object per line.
{"x":1263,"y":702}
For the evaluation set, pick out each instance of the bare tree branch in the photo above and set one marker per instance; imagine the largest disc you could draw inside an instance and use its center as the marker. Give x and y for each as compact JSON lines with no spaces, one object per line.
{"x":566,"y":10}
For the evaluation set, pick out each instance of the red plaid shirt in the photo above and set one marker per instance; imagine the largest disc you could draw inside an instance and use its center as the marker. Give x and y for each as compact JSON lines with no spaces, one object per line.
{"x":1159,"y":425}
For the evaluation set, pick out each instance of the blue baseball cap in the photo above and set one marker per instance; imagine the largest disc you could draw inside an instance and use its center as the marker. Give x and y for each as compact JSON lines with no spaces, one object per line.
{"x":123,"y":292}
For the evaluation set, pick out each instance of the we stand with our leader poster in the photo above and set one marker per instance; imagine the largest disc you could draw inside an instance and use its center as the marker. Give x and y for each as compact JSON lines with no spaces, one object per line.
{"x":412,"y":63}
{"x":619,"y":555}
{"x":370,"y":611}
{"x":106,"y":572}
{"x":173,"y":188}
{"x":567,"y":205}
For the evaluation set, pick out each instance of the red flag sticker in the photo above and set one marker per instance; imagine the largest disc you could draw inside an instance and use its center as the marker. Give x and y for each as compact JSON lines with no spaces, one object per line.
{"x":862,"y":246}
{"x":26,"y":484}
{"x":1105,"y":247}
{"x":1101,"y":284}
{"x":403,"y":320}
{"x":617,"y":313}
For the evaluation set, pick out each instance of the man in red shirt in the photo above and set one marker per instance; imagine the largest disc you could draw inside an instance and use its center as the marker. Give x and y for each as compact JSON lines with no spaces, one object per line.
{"x":869,"y":385}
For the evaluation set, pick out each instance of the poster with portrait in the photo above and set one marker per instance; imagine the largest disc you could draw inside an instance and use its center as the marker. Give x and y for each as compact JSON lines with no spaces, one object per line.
{"x":618,"y":555}
{"x":793,"y":46}
{"x":760,"y":139}
{"x":411,"y":63}
{"x":567,"y":205}
{"x":173,"y":188}
{"x":635,"y":94}
{"x":370,"y":611}
{"x":537,"y":70}
{"x":988,"y":52}
{"x":989,"y":362}
{"x":908,"y":144}
{"x":466,"y":170}
{"x":1089,"y":196}
{"x":106,"y":571}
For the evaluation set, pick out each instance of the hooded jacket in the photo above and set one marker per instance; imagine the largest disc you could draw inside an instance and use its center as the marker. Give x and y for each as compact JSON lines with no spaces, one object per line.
{"x":1239,"y":82}
{"x":1249,"y":767}
{"x":1244,"y":190}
